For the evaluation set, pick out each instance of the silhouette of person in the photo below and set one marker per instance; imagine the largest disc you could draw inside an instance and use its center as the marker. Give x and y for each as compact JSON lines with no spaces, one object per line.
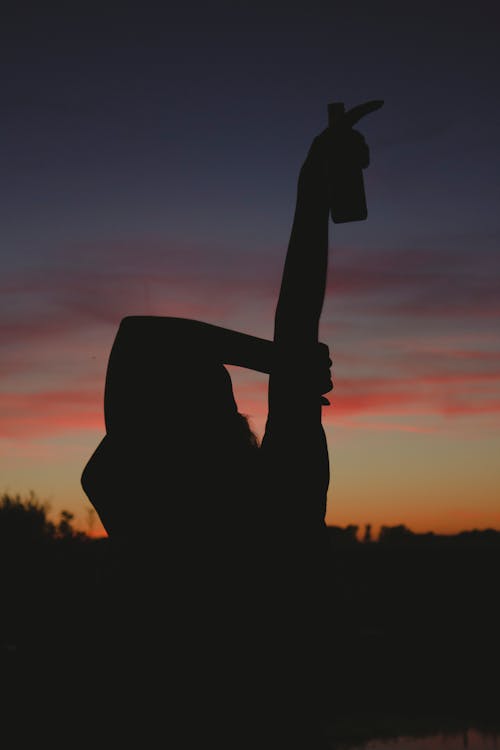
{"x":215,"y":617}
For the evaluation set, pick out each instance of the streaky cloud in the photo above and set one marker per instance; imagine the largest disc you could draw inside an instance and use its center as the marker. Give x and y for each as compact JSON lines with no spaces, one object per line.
{"x":42,"y":413}
{"x":418,"y":283}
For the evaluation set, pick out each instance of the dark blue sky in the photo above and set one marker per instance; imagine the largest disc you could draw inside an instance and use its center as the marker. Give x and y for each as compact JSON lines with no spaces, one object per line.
{"x":149,"y":159}
{"x":193,"y":122}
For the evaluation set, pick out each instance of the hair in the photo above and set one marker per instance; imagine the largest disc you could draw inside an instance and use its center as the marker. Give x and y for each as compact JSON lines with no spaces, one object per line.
{"x":245,"y":431}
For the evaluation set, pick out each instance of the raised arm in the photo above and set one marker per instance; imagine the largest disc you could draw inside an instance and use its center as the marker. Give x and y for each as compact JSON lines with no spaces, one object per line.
{"x":199,"y":340}
{"x":294,"y":445}
{"x":303,"y":281}
{"x":304,"y":275}
{"x":294,"y":440}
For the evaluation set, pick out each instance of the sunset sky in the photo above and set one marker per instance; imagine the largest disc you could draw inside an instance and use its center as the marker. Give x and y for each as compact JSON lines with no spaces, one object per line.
{"x":149,"y":164}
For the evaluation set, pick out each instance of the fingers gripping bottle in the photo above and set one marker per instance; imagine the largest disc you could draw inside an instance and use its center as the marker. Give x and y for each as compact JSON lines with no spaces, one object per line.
{"x":347,"y":188}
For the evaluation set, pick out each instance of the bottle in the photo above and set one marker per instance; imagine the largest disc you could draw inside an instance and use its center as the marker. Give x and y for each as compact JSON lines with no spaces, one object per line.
{"x":347,"y":187}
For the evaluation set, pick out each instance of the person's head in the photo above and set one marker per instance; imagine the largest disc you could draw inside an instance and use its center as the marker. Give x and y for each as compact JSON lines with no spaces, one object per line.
{"x":168,"y":390}
{"x":176,"y":443}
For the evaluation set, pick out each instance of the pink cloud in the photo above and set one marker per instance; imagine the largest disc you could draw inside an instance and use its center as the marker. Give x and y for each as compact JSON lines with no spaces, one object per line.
{"x":153,"y":278}
{"x":418,"y":283}
{"x":57,"y":321}
{"x":47,"y":412}
{"x":28,"y":415}
{"x":52,"y":305}
{"x":441,"y":394}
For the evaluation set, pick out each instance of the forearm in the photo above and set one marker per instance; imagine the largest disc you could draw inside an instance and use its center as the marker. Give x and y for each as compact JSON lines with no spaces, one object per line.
{"x":198,"y":340}
{"x":303,"y":282}
{"x":241,"y":349}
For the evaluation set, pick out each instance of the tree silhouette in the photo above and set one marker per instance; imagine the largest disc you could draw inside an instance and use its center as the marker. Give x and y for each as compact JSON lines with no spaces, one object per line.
{"x":26,"y":521}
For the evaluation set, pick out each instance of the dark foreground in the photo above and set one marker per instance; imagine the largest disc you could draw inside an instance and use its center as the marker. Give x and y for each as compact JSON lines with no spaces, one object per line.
{"x":413,"y":648}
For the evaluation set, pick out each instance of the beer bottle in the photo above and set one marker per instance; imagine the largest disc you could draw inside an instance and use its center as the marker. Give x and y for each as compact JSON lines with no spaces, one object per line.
{"x":346,"y":188}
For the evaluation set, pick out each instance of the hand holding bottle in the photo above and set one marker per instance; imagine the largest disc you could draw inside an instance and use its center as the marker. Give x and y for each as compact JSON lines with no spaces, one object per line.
{"x":335,"y":162}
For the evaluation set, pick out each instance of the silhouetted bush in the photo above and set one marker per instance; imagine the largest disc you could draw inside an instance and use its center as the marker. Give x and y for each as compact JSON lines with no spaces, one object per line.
{"x":26,"y":520}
